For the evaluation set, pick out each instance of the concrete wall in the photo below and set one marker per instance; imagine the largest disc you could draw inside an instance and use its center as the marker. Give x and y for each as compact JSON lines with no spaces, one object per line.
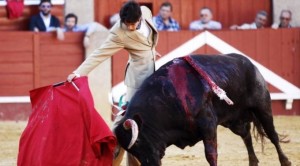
{"x":84,"y":9}
{"x":293,"y":5}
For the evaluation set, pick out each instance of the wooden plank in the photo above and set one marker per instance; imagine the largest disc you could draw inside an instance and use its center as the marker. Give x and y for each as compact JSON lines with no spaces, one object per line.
{"x":8,"y":79}
{"x":262,"y":46}
{"x":288,"y":51}
{"x":36,"y":60}
{"x":56,"y":71}
{"x":119,"y":62}
{"x":245,"y":41}
{"x":176,"y":39}
{"x":162,"y":46}
{"x":8,"y":42}
{"x":185,"y":13}
{"x":62,"y":61}
{"x":275,"y":58}
{"x":15,"y":90}
{"x":57,"y":49}
{"x":234,"y":18}
{"x":14,"y":57}
{"x":248,"y":12}
{"x":297,"y":57}
{"x":223,"y":14}
{"x":47,"y":38}
{"x":16,"y":68}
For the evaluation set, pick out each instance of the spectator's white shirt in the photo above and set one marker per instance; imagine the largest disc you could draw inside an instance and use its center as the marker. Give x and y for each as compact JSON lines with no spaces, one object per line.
{"x":46,"y":21}
{"x":198,"y":25}
{"x":248,"y":26}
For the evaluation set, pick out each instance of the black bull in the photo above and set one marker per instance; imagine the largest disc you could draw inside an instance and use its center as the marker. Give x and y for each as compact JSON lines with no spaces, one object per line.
{"x":176,"y":106}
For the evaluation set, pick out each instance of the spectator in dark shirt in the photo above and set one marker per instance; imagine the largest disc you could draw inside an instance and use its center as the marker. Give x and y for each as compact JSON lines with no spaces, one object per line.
{"x":163,"y":21}
{"x":44,"y":21}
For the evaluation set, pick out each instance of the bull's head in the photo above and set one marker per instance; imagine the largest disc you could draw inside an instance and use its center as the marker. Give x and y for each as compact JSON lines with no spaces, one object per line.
{"x":131,"y":137}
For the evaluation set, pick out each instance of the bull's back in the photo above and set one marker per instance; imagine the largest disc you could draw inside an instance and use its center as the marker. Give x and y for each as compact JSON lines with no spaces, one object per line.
{"x":234,"y":73}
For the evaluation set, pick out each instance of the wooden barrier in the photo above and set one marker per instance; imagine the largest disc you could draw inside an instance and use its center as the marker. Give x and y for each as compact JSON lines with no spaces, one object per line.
{"x":29,"y":60}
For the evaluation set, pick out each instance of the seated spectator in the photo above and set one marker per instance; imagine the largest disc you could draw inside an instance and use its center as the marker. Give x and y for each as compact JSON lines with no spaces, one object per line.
{"x":285,"y":19}
{"x":259,"y":22}
{"x":71,"y":25}
{"x":205,"y":21}
{"x":44,"y":21}
{"x":163,"y":21}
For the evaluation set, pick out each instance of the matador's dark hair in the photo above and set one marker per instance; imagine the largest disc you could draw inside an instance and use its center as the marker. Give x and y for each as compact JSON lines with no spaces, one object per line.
{"x":130,"y":12}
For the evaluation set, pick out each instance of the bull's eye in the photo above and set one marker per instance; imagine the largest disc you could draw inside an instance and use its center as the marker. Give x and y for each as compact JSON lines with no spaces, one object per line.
{"x":137,"y":142}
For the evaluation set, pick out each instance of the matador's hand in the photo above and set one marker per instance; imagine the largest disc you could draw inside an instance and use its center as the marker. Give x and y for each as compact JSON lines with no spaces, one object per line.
{"x":72,"y":76}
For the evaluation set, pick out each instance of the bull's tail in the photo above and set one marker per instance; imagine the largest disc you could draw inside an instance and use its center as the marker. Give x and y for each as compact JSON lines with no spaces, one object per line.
{"x":260,"y":135}
{"x":258,"y":132}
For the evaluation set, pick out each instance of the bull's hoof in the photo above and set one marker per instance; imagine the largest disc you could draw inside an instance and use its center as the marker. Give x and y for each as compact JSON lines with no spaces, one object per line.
{"x":253,"y":164}
{"x":253,"y":161}
{"x":286,"y":163}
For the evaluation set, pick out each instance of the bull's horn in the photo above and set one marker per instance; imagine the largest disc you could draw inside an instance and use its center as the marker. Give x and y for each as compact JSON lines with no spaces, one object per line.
{"x":131,"y":124}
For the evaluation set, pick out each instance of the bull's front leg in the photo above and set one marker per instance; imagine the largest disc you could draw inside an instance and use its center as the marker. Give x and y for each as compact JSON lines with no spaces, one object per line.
{"x":211,"y":152}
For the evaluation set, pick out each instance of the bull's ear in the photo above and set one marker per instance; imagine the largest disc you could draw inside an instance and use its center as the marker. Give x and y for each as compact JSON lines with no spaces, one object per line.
{"x":138,"y":119}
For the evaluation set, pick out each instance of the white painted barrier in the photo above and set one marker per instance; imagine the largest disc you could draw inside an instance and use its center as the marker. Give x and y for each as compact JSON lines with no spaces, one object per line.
{"x":14,"y":99}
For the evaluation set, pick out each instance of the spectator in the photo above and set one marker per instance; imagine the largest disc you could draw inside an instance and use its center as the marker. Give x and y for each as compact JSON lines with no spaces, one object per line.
{"x":44,"y":21}
{"x":163,"y":21}
{"x":285,"y":19}
{"x":259,"y":22}
{"x":71,"y":25}
{"x":205,"y":21}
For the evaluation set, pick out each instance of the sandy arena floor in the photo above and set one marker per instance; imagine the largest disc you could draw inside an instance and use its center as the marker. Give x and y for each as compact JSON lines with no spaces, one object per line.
{"x":231,"y":149}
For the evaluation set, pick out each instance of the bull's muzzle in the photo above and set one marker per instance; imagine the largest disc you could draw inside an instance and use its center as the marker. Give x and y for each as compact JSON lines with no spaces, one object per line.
{"x":131,"y":124}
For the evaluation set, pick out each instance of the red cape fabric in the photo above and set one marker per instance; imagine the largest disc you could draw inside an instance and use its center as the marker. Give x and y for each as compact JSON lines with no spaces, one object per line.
{"x":14,"y":8}
{"x":65,"y":129}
